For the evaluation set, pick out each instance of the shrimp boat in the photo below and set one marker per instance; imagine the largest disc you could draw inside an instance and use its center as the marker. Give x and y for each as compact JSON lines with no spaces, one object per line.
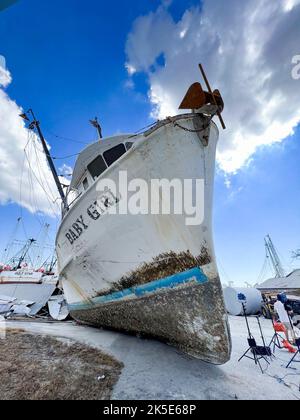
{"x":147,"y":273}
{"x":25,"y":290}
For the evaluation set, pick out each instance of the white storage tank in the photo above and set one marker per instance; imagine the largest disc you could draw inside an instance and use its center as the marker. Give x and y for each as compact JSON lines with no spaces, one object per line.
{"x":234,"y":297}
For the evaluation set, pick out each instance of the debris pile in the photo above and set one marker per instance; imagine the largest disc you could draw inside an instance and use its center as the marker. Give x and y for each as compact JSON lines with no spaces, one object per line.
{"x":46,"y":305}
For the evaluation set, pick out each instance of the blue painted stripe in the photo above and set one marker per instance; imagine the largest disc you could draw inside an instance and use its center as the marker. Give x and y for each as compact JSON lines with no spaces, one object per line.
{"x":195,"y":274}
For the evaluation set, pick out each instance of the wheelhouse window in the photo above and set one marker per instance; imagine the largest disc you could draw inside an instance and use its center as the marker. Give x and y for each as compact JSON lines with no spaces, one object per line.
{"x":114,"y":154}
{"x":128,"y":145}
{"x":97,"y":167}
{"x":85,"y":184}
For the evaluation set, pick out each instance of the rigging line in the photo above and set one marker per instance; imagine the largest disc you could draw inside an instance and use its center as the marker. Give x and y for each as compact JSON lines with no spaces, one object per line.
{"x":88,"y":143}
{"x":42,"y":185}
{"x":36,"y":248}
{"x":223,"y":270}
{"x":271,"y":268}
{"x":263,"y":270}
{"x":34,"y":201}
{"x":49,"y":198}
{"x":53,"y":157}
{"x":21,"y":187}
{"x":42,"y":247}
{"x":65,"y":157}
{"x":10,"y":243}
{"x":51,"y":241}
{"x":140,"y":131}
{"x":45,"y":262}
{"x":66,"y":138}
{"x":40,"y":171}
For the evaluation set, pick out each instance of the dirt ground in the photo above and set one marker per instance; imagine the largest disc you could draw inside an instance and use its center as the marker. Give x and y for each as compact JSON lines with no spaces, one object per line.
{"x":34,"y":367}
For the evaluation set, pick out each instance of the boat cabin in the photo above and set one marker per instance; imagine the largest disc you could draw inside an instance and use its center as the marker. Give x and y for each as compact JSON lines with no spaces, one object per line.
{"x":94,"y":160}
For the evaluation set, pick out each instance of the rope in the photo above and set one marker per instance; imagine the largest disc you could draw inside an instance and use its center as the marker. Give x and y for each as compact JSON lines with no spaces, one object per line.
{"x":65,"y":157}
{"x":66,"y":138}
{"x":41,"y":185}
{"x":50,"y":199}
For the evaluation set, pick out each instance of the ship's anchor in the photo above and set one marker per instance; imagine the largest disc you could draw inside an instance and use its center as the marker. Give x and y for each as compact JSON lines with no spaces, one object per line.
{"x":196,"y":98}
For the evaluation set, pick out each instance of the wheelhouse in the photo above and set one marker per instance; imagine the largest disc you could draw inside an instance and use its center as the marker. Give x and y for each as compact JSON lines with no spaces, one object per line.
{"x":93,"y":161}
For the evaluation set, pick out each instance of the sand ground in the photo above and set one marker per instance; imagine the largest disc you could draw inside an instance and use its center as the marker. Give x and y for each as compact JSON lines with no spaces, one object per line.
{"x":33,"y":367}
{"x":155,"y":371}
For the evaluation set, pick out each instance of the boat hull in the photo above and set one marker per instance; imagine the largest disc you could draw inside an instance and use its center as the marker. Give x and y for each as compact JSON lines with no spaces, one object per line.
{"x":38,"y":294}
{"x":151,"y":274}
{"x":184,"y":317}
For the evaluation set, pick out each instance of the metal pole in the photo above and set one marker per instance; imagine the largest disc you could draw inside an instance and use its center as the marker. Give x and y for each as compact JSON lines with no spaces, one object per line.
{"x":213,"y":96}
{"x":26,"y":250}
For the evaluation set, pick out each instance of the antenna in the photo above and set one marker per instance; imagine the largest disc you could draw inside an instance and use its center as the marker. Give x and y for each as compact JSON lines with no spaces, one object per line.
{"x":273,"y":255}
{"x":95,"y":123}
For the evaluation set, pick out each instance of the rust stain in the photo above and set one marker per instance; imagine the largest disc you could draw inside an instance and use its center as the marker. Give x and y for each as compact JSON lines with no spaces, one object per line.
{"x":79,"y":291}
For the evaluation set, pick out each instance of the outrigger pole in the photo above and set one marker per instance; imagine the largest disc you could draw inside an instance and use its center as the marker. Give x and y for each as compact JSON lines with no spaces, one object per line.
{"x":36,"y":124}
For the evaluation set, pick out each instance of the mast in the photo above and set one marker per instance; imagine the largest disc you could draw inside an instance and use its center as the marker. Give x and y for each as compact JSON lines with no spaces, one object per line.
{"x":36,"y":124}
{"x":24,"y":252}
{"x":273,"y":255}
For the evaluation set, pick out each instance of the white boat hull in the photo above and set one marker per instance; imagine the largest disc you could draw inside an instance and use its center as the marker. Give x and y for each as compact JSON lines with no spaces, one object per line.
{"x":27,"y":286}
{"x":151,"y":274}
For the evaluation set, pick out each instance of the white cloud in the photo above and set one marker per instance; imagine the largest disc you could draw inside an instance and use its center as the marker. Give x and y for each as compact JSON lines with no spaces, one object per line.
{"x":130,"y":69}
{"x":5,"y":77}
{"x":246,"y":48}
{"x":37,"y":192}
{"x":66,"y":170}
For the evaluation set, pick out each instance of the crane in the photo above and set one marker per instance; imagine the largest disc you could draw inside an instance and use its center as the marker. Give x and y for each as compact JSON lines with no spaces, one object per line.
{"x":274,"y":258}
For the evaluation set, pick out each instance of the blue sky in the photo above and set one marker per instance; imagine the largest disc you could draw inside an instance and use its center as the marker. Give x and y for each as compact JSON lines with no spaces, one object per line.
{"x":67,"y":60}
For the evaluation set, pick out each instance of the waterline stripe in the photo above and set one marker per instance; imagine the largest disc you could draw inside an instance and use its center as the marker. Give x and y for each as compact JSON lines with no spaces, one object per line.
{"x":170,"y":282}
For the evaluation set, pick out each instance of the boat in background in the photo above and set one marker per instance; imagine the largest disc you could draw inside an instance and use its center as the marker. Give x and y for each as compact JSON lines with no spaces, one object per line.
{"x":26,"y":291}
{"x":289,"y":283}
